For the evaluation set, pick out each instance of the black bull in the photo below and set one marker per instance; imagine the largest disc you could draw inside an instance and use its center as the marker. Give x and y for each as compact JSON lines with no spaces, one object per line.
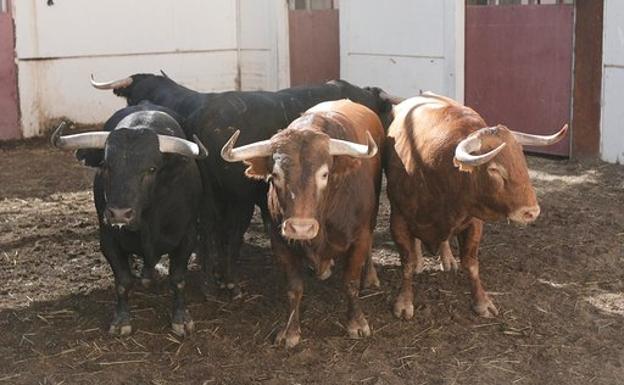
{"x":230,"y":196}
{"x":147,"y":192}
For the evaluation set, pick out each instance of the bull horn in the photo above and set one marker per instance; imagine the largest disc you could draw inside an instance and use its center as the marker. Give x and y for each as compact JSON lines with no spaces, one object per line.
{"x":540,"y":140}
{"x":175,"y":145}
{"x":344,"y":147}
{"x":122,"y":83}
{"x":164,"y":74}
{"x":383,"y":95}
{"x":472,"y":143}
{"x":249,"y":151}
{"x":77,"y":141}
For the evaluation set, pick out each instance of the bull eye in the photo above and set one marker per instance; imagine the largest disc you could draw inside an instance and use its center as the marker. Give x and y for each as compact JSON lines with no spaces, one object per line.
{"x":151,"y":170}
{"x":325,"y":175}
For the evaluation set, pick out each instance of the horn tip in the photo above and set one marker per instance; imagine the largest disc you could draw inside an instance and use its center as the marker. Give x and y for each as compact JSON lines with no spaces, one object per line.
{"x":229,"y":145}
{"x":54,"y":138}
{"x":203,"y":151}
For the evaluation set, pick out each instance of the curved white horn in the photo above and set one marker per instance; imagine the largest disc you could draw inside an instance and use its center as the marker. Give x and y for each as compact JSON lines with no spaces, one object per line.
{"x":111,"y":85}
{"x":252,"y":150}
{"x":540,"y":140}
{"x":344,"y":147}
{"x":77,"y":141}
{"x":175,"y":145}
{"x":472,"y":143}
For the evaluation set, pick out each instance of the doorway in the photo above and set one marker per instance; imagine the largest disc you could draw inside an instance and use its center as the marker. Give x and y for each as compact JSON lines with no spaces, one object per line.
{"x":314,"y":41}
{"x":519,"y":65}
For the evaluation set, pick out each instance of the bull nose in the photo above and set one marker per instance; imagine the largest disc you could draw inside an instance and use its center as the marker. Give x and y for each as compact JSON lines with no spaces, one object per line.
{"x":120,"y":215}
{"x":300,"y":228}
{"x":531,"y":213}
{"x":525,"y":214}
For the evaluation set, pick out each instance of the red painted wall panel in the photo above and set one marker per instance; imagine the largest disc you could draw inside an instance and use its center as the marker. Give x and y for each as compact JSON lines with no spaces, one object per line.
{"x":9,"y":107}
{"x":519,"y":67}
{"x":314,"y":46}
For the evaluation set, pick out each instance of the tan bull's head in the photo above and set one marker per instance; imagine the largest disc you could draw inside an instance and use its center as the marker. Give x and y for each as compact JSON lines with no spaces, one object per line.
{"x":494,"y":155}
{"x":299,"y":165}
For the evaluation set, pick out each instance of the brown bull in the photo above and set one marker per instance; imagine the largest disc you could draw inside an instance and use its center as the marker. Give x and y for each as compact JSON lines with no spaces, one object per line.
{"x":447,"y":173}
{"x":323,"y":198}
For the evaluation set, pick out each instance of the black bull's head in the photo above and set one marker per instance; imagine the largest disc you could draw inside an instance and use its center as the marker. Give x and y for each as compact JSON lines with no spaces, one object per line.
{"x":133,"y":158}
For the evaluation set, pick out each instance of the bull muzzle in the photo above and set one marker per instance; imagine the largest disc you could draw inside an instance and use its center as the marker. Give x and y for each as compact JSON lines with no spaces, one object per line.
{"x":525,"y":215}
{"x":119,"y":217}
{"x":300,"y":228}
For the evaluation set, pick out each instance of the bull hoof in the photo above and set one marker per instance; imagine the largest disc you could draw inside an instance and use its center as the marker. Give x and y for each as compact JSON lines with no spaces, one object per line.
{"x":234,"y":290}
{"x":183,"y":329}
{"x":121,"y":324}
{"x":485,"y":308}
{"x":120,"y":329}
{"x":325,"y":274}
{"x":371,"y":281}
{"x":182,"y":324}
{"x":358,"y":328}
{"x":449,"y":263}
{"x":403,"y":307}
{"x":289,"y":338}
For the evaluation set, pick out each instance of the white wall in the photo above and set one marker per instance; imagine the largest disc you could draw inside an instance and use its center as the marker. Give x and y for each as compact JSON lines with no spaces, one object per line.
{"x":196,"y":42}
{"x":404,"y":46}
{"x":612,"y":125}
{"x":263,"y":44}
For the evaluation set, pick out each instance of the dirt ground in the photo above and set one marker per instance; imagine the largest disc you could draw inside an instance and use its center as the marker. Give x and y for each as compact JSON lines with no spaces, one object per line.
{"x":558,"y":284}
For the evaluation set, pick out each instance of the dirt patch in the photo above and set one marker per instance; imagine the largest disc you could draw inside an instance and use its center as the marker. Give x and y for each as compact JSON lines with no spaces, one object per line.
{"x":553,"y":281}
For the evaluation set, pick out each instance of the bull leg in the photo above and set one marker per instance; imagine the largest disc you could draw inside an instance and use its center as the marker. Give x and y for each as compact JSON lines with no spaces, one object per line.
{"x":123,"y":283}
{"x":357,"y":325}
{"x":207,"y":241}
{"x":419,"y":259}
{"x":148,"y":273}
{"x":469,"y":241}
{"x":266,"y":215}
{"x":181,"y":324}
{"x":290,"y":335}
{"x":240,"y":217}
{"x":449,"y":263}
{"x":370,"y":280}
{"x":403,"y":305}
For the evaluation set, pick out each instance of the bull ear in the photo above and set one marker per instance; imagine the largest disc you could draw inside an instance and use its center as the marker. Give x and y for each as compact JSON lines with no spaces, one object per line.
{"x":258,"y":168}
{"x":90,"y":157}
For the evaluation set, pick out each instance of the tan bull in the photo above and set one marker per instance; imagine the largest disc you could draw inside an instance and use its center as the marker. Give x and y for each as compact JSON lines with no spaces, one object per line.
{"x":447,"y":173}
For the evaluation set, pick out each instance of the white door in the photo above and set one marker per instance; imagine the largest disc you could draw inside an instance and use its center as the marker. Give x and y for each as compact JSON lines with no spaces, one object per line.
{"x":403,"y":46}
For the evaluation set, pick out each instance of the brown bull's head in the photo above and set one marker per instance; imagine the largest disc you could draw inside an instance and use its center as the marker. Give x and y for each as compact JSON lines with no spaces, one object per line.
{"x":494,"y":155}
{"x":299,"y":164}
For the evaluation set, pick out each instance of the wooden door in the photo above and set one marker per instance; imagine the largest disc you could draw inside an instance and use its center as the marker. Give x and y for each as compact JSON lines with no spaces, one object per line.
{"x":9,"y":106}
{"x":314,"y":42}
{"x":519,"y":67}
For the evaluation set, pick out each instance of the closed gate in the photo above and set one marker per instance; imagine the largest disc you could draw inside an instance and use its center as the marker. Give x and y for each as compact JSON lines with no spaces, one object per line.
{"x":519,"y":67}
{"x":9,"y":108}
{"x":314,"y":42}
